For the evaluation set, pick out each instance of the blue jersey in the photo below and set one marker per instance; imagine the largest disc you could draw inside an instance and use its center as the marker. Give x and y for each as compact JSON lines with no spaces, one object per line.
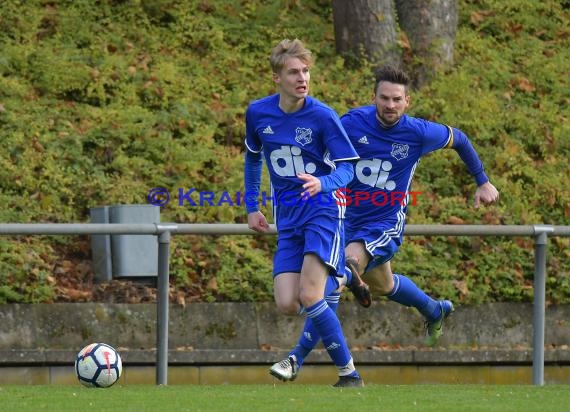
{"x":309,"y":140}
{"x":378,"y":194}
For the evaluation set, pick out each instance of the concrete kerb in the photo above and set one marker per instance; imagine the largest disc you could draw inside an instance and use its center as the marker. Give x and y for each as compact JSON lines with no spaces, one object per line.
{"x":255,"y":333}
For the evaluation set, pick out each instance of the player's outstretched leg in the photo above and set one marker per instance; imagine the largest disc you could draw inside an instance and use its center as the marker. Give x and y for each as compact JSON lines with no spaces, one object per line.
{"x":407,"y":293}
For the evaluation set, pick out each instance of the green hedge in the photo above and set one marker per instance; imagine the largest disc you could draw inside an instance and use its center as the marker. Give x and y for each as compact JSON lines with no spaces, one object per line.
{"x":102,"y":101}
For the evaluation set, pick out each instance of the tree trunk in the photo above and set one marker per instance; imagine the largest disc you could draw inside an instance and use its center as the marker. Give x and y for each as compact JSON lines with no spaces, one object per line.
{"x":430,"y":26}
{"x":366,"y":29}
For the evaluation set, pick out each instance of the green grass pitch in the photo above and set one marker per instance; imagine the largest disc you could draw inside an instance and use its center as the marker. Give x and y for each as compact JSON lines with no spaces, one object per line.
{"x":283,"y":397}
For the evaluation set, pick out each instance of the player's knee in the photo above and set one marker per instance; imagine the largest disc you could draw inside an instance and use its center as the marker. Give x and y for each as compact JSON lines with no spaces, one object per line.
{"x":289,"y":308}
{"x":309,"y":298}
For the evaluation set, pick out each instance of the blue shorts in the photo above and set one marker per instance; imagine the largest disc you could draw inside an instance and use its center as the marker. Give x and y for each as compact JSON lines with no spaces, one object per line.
{"x":323,"y":237}
{"x":381,"y":243}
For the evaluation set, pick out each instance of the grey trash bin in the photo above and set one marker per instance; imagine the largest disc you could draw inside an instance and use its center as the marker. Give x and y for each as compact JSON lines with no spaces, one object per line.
{"x":125,"y":256}
{"x":101,"y":246}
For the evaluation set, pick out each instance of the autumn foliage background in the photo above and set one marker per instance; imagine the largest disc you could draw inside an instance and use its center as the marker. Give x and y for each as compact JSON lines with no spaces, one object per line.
{"x":102,"y":101}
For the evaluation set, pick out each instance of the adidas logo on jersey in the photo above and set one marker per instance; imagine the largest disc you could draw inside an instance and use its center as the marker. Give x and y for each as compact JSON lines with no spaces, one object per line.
{"x":268,"y":130}
{"x":363,"y":140}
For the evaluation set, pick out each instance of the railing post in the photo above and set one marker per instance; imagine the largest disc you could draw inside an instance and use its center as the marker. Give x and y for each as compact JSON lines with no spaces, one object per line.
{"x":162,"y":301}
{"x":540,"y":244}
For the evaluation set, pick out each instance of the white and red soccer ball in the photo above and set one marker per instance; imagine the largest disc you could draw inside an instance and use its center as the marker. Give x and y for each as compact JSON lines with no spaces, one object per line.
{"x":98,"y":365}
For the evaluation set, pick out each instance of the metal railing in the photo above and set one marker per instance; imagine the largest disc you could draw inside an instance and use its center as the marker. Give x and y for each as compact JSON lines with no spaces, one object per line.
{"x":163,"y":231}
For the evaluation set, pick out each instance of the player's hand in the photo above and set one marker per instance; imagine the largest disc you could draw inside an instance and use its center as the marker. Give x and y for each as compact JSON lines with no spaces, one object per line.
{"x":486,"y":194}
{"x":256,"y":221}
{"x":312,"y":184}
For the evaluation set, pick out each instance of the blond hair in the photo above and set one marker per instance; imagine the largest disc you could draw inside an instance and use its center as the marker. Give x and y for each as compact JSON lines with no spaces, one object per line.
{"x":287,"y":49}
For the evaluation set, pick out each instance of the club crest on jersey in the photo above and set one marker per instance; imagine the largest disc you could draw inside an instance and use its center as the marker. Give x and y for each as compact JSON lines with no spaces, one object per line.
{"x":303,"y":136}
{"x":399,"y":151}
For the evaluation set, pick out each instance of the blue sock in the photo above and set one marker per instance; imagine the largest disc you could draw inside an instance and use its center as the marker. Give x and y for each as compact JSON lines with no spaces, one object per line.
{"x":309,"y":336}
{"x":328,"y":326}
{"x":333,"y":300}
{"x":407,"y":293}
